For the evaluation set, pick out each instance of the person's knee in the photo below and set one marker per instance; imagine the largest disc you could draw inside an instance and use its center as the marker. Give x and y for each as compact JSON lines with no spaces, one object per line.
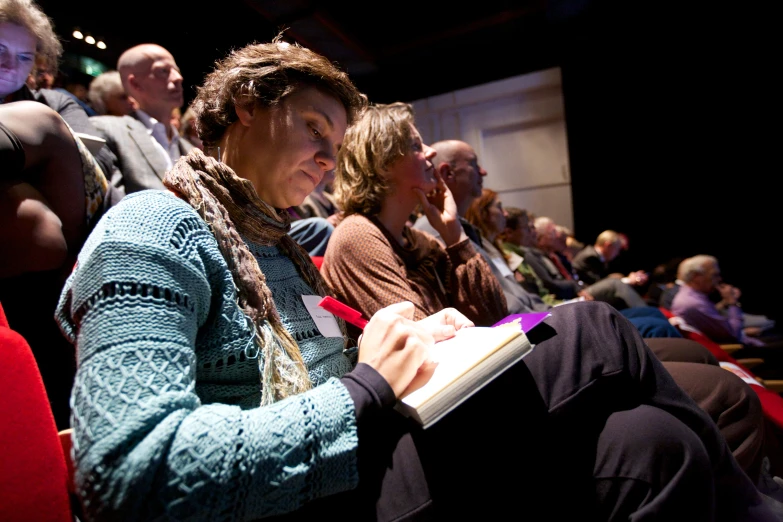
{"x":680,"y":350}
{"x":718,"y":392}
{"x":585,"y":310}
{"x":649,"y":461}
{"x":649,"y":444}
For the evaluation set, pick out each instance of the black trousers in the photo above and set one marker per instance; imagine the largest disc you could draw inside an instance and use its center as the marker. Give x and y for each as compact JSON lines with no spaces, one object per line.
{"x":589,"y":426}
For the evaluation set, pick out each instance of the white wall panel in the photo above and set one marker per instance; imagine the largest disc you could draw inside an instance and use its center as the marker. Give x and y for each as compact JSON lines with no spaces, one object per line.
{"x":517,"y":127}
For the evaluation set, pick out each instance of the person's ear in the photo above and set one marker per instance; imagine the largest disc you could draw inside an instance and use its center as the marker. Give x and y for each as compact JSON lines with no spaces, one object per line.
{"x":133,"y":83}
{"x":446,"y":172}
{"x":246,"y":112}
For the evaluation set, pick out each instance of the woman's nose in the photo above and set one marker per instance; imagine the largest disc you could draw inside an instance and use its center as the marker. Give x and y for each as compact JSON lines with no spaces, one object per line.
{"x":326,"y":160}
{"x":429,"y":152}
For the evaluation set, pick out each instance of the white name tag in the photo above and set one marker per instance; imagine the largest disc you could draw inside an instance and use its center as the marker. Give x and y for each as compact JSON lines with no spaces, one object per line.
{"x":324,"y":321}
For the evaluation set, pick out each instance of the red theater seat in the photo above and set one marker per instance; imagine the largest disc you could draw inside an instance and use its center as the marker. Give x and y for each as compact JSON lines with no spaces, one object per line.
{"x":771,"y":401}
{"x":33,"y":473}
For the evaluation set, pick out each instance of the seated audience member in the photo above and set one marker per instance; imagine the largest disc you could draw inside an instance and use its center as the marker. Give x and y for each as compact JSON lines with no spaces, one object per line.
{"x":671,"y":282}
{"x":551,"y":242}
{"x":145,"y":142}
{"x":206,"y":391}
{"x":539,"y":252}
{"x":592,"y":262}
{"x":42,"y":76}
{"x":722,"y":321}
{"x":176,"y":119}
{"x":457,"y":164}
{"x":108,"y":97}
{"x":51,"y":194}
{"x":27,"y":35}
{"x":519,"y":233}
{"x":572,"y":245}
{"x":486,"y":213}
{"x":377,"y":192}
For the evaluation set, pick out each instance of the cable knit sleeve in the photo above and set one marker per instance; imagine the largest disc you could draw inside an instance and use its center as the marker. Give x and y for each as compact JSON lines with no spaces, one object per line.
{"x":142,"y":305}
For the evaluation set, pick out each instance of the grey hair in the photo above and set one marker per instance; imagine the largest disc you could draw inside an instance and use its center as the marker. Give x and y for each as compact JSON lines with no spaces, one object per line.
{"x":694,"y":266}
{"x":102,"y":85}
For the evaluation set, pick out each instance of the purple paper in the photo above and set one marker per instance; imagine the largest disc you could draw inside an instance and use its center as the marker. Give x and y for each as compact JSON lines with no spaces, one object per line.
{"x":525,"y":321}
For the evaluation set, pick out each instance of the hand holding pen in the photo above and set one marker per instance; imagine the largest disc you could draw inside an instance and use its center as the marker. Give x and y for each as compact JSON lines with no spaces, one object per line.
{"x":442,"y":325}
{"x":396,"y":346}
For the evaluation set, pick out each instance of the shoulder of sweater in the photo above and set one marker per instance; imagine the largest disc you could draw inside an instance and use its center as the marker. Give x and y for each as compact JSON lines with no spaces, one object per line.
{"x":348,"y":227}
{"x":352,"y":222}
{"x":356,"y":229}
{"x":140,"y":213}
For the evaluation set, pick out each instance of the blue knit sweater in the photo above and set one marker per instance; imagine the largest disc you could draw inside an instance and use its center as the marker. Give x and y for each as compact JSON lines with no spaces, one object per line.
{"x":165,"y":407}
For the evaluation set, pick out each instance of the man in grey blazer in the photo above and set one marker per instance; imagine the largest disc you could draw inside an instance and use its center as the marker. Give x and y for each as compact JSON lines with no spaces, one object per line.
{"x":145,"y":142}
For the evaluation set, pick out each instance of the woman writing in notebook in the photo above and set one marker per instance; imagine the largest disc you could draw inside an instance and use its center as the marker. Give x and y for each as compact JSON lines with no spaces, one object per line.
{"x":205,"y":389}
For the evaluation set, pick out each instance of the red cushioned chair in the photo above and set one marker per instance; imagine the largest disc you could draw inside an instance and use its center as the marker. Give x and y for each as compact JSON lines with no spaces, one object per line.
{"x":767,"y":391}
{"x":33,"y":473}
{"x":318,"y":261}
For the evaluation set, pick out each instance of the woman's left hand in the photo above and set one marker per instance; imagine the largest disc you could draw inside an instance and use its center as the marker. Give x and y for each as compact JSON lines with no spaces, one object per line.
{"x":444,"y":324}
{"x":441,"y":211}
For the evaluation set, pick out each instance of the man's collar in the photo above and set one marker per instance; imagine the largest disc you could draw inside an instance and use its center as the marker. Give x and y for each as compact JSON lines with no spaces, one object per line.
{"x":146,"y":119}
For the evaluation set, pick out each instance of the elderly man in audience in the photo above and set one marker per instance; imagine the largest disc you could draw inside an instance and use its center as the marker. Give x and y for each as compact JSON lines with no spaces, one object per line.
{"x":540,"y":253}
{"x":108,"y":97}
{"x":722,"y":321}
{"x":145,"y":142}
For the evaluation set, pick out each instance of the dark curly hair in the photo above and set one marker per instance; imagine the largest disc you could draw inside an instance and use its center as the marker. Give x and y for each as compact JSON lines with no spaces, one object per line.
{"x":264,"y":74}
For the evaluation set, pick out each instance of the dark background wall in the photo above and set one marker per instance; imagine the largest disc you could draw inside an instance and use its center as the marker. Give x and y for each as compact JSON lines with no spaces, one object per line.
{"x":673,"y":134}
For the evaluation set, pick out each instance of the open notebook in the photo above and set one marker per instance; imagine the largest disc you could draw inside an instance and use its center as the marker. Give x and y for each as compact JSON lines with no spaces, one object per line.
{"x":467,"y":362}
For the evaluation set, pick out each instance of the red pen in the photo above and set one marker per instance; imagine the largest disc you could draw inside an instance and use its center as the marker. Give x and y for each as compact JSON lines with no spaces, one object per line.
{"x":343,"y":311}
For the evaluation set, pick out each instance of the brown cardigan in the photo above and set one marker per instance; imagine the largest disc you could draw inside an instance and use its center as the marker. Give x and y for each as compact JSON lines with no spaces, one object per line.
{"x":368,"y":270}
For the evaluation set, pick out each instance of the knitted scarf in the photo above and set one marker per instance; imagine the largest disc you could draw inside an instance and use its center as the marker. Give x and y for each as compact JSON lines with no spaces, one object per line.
{"x":232,"y":209}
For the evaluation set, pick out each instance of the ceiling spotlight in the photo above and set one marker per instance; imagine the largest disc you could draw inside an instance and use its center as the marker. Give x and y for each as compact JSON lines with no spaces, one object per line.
{"x":77,"y":34}
{"x":100,"y":44}
{"x":89,"y":39}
